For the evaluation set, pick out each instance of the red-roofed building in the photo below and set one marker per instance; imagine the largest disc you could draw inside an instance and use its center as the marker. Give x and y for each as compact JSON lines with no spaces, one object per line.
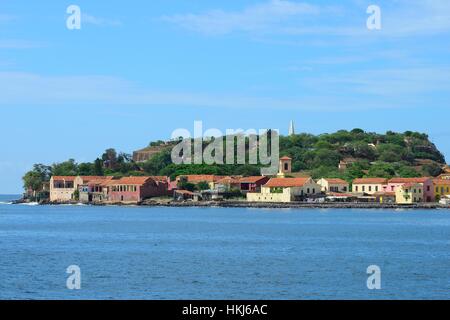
{"x":333,"y":185}
{"x":62,"y":188}
{"x":425,"y":182}
{"x":252,"y":184}
{"x":285,"y":190}
{"x":136,"y":189}
{"x":369,"y":185}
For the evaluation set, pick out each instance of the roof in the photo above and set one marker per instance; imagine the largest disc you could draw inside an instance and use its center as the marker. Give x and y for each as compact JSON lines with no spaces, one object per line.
{"x":409,"y":185}
{"x":285,"y":158}
{"x":229,"y":180}
{"x":65,"y":178}
{"x":441,"y":181}
{"x":89,"y":178}
{"x":408,"y":180}
{"x":100,"y":181}
{"x":253,"y":179}
{"x":132,"y":180}
{"x":160,"y":178}
{"x":201,"y":177}
{"x":370,"y":181}
{"x":286,"y":182}
{"x":335,"y":181}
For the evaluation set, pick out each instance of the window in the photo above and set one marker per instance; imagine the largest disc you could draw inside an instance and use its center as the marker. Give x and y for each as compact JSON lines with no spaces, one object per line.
{"x":307,"y":190}
{"x":356,"y":188}
{"x":376,"y":188}
{"x":370,"y":188}
{"x":286,"y":166}
{"x":344,"y":189}
{"x":363,"y":188}
{"x":428,"y":188}
{"x":437,"y":190}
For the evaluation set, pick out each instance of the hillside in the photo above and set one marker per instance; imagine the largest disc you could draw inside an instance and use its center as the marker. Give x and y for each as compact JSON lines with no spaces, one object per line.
{"x":343,"y":154}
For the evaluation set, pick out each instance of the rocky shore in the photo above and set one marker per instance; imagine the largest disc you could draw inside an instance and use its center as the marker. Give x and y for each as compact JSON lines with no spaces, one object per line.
{"x":266,"y":205}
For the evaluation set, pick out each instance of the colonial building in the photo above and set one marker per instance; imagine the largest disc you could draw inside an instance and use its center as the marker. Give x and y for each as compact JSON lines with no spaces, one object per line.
{"x":441,"y":188}
{"x":135,"y":189}
{"x":62,"y":188}
{"x":426,"y":186}
{"x":409,"y":193}
{"x":285,"y":190}
{"x":369,"y":185}
{"x":210,"y":179}
{"x":333,"y":185}
{"x":228,"y":183}
{"x":252,"y":184}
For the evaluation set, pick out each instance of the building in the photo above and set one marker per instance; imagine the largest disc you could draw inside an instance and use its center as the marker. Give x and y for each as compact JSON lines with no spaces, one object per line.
{"x":96,"y":190}
{"x":62,"y":188}
{"x":333,"y":185}
{"x":369,"y":185}
{"x":284,"y":167}
{"x":409,"y":193}
{"x":441,"y":188}
{"x":210,"y":179}
{"x":227,"y":184}
{"x":135,"y":189}
{"x":252,"y":184}
{"x":426,"y":183}
{"x":385,"y":197}
{"x":285,"y":190}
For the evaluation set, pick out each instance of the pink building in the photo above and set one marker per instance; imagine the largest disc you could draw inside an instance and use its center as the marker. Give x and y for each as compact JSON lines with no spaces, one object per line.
{"x":252,"y":184}
{"x":136,"y":189}
{"x":427,"y":184}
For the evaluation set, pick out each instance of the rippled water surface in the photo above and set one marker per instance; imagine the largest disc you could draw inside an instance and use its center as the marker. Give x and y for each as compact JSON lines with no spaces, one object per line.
{"x":221,"y":253}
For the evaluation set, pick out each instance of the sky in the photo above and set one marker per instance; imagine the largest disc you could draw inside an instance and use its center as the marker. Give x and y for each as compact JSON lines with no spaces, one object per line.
{"x":138,"y":70}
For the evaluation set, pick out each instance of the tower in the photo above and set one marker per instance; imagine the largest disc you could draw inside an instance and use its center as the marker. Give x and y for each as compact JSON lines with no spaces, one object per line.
{"x":291,"y":128}
{"x":285,"y":166}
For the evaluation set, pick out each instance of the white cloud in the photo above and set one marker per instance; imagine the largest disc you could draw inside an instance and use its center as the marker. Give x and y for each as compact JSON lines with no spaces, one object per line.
{"x":399,"y":18}
{"x":254,"y":18}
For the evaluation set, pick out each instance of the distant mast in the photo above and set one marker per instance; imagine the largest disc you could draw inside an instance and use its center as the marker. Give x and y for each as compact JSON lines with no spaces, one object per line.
{"x":291,"y":128}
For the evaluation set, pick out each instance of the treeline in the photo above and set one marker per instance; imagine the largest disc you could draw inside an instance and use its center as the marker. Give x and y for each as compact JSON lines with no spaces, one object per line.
{"x":372,"y":154}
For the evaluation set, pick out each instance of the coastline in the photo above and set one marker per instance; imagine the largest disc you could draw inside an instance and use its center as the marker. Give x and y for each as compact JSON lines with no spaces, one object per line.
{"x":259,"y":205}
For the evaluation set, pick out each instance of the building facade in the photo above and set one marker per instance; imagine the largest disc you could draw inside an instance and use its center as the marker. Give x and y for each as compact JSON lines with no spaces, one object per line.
{"x":285,"y":190}
{"x":426,"y":183}
{"x":333,"y":185}
{"x":409,"y":193}
{"x":369,"y":185}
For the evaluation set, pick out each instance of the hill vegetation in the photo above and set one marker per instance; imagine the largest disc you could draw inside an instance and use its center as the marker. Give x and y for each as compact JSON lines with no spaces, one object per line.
{"x":408,"y":154}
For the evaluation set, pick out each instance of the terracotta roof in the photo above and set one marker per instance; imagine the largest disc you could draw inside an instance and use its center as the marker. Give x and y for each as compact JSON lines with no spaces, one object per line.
{"x":253,"y":179}
{"x":100,"y":181}
{"x":89,"y":178}
{"x":65,"y":178}
{"x":286,"y":182}
{"x":336,"y":181}
{"x":370,"y":181}
{"x":132,"y":180}
{"x":409,"y":185}
{"x":160,"y":178}
{"x":285,"y":158}
{"x":407,"y":180}
{"x":441,"y":181}
{"x":201,"y":177}
{"x":229,"y":180}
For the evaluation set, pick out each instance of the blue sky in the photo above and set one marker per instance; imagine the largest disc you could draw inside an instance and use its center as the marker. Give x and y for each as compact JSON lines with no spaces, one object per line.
{"x":137,"y":71}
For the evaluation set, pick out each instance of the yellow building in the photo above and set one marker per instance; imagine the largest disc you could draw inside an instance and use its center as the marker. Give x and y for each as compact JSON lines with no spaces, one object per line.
{"x":441,"y":188}
{"x":369,"y":185}
{"x":409,"y":193}
{"x":62,"y":188}
{"x":285,"y":190}
{"x":333,"y":185}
